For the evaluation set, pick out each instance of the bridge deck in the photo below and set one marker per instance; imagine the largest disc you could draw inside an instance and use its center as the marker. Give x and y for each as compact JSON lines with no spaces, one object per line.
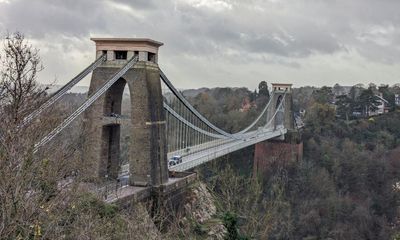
{"x":205,"y":152}
{"x":227,"y":146}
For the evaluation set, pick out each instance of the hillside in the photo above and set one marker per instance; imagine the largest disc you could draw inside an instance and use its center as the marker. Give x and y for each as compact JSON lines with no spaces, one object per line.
{"x":346,"y":186}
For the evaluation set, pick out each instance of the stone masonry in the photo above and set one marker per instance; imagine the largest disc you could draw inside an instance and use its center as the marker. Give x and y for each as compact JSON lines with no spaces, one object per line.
{"x":287,"y":115}
{"x":148,"y":163}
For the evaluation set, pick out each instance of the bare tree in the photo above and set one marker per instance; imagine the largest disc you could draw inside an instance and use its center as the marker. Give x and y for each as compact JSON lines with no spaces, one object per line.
{"x":34,"y":200}
{"x":19,"y":91}
{"x":28,"y":182}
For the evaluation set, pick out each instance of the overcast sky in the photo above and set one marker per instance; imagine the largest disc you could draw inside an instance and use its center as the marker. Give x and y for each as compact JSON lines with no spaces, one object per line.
{"x":211,"y":43}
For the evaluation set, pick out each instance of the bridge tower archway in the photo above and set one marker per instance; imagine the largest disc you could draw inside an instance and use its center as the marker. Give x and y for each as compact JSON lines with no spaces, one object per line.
{"x":148,"y":151}
{"x":110,"y":157}
{"x":279,"y":118}
{"x":278,"y":101}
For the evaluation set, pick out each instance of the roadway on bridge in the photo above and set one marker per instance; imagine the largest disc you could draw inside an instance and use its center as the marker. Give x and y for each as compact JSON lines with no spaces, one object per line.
{"x":224,"y":147}
{"x":199,"y":154}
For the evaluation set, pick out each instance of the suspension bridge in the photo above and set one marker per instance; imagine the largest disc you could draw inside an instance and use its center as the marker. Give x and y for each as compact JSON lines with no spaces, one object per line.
{"x":163,"y":123}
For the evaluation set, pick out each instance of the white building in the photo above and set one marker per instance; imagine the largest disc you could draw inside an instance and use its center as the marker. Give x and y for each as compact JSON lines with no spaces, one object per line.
{"x":397,"y":99}
{"x":383,"y":106}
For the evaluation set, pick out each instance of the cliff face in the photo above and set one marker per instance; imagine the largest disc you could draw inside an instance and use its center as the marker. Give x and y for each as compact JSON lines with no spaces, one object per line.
{"x":200,"y":209}
{"x":196,"y":219}
{"x":142,"y":225}
{"x":200,"y":203}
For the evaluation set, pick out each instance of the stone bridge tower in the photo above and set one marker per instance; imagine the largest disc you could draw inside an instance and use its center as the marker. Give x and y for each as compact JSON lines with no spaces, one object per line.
{"x":148,"y":151}
{"x":286,"y":148}
{"x":282,"y":90}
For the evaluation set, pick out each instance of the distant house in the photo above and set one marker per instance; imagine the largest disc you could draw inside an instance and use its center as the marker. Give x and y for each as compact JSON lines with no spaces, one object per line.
{"x":383,"y":106}
{"x":397,"y":99}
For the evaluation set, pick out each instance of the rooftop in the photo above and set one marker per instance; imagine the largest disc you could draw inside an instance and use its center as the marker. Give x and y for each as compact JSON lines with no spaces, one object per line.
{"x":128,"y":40}
{"x":282,"y":84}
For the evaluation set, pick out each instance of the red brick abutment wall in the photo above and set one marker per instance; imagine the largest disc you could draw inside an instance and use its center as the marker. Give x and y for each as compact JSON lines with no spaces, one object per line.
{"x":273,"y":152}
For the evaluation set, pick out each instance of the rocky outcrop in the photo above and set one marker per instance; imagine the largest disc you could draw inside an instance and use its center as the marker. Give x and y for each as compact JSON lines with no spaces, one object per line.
{"x":200,"y":210}
{"x":196,"y":219}
{"x":142,"y":224}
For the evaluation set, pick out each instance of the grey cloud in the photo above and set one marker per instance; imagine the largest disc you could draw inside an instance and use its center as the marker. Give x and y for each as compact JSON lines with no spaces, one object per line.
{"x":139,"y":4}
{"x":202,"y":30}
{"x":41,"y":17}
{"x":283,"y":32}
{"x":216,"y":31}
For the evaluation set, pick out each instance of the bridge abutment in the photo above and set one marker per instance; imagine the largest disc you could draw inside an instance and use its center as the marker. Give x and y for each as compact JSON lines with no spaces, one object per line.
{"x":277,"y":151}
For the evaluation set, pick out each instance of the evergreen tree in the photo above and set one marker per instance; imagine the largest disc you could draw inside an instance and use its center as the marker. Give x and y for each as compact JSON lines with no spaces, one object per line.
{"x":368,"y":101}
{"x":323,"y":95}
{"x":345,"y":106}
{"x":263,"y":89}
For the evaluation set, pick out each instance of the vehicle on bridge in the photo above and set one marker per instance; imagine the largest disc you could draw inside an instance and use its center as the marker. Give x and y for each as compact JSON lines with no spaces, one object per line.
{"x":175,"y":160}
{"x":115,"y":115}
{"x":123,"y":180}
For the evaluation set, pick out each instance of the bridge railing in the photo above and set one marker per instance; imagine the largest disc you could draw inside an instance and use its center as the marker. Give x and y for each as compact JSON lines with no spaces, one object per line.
{"x":111,"y":189}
